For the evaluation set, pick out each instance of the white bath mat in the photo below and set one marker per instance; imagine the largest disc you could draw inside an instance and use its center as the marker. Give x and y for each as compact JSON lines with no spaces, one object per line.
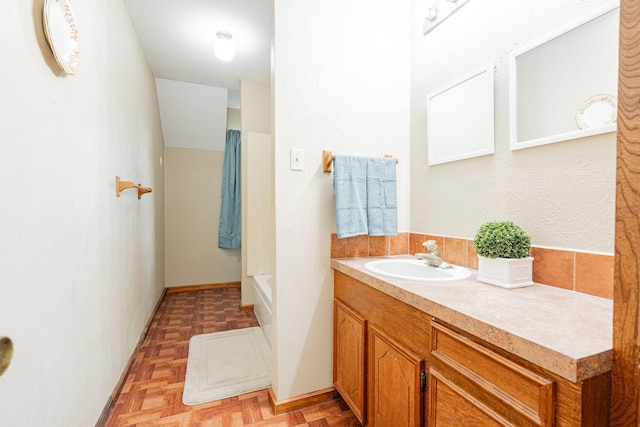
{"x":225,"y":364}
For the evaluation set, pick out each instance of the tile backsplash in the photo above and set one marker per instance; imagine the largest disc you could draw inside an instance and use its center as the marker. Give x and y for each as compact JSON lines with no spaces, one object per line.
{"x":584,"y":272}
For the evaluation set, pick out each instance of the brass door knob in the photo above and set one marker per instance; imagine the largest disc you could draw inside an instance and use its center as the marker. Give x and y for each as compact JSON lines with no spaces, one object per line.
{"x":6,"y":353}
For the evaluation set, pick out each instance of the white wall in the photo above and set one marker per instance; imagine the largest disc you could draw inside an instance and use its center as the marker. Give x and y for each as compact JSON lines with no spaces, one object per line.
{"x":341,"y":83}
{"x":562,"y":194}
{"x":81,"y":269}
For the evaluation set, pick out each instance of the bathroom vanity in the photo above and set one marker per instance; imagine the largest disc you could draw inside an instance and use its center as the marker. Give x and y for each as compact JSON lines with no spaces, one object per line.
{"x":409,"y":353}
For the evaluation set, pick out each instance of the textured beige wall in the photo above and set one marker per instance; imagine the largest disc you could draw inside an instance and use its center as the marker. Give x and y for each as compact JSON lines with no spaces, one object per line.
{"x":259,"y":201}
{"x":562,"y":193}
{"x":192,"y":215}
{"x":234,"y":119}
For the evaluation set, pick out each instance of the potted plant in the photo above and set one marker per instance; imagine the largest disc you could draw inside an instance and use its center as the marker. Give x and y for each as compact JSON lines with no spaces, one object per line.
{"x":503,"y":250}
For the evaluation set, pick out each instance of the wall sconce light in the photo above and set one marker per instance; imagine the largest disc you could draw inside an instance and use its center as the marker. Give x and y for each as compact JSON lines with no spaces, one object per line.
{"x":224,"y":47}
{"x":438,"y":12}
{"x":432,"y":14}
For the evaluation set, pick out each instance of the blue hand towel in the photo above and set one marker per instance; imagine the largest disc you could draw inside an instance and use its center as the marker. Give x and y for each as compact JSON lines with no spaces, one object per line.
{"x":350,"y":185}
{"x":382,"y":206}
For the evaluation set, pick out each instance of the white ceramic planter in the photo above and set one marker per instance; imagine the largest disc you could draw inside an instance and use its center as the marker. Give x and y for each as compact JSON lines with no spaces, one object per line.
{"x":506,"y":273}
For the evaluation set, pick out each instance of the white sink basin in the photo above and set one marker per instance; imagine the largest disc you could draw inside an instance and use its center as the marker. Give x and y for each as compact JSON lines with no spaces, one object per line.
{"x":413,"y":269}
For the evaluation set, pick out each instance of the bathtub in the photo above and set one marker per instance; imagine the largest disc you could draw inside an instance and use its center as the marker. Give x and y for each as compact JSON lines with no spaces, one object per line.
{"x":262,"y":303}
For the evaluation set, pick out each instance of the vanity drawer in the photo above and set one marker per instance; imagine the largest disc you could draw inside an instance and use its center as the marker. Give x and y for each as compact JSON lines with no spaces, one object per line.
{"x":507,"y":389}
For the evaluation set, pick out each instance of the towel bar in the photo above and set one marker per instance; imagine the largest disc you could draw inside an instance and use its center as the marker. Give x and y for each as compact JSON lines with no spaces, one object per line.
{"x":328,"y":158}
{"x":124,"y":185}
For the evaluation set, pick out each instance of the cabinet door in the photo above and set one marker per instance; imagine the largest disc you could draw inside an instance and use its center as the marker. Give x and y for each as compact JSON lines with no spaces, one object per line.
{"x":394,"y":380}
{"x":350,"y":358}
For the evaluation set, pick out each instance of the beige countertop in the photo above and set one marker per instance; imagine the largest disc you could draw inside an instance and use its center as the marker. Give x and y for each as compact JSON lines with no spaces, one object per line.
{"x":565,"y":332}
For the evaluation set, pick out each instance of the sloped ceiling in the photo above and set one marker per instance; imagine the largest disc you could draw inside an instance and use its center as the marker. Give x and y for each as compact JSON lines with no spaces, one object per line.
{"x":177,"y":37}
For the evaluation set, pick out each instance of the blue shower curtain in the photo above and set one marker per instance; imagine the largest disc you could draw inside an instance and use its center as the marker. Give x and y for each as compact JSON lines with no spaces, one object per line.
{"x":229,"y":231}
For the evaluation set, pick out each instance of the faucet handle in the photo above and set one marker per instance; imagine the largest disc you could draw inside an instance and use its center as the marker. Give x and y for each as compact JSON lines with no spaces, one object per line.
{"x":431,"y":245}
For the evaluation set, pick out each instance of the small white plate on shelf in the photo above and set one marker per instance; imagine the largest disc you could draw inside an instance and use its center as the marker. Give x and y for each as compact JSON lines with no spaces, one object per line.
{"x":598,"y":110}
{"x":62,"y":34}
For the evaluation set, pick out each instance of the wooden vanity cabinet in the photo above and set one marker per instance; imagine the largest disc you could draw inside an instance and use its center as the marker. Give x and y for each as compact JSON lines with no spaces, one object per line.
{"x":381,"y":346}
{"x":396,"y":365}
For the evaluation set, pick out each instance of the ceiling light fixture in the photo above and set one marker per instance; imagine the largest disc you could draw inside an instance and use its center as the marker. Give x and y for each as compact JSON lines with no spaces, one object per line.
{"x":224,"y":47}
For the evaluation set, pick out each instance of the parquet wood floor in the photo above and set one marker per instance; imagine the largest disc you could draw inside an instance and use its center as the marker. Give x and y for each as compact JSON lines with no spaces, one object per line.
{"x":152,"y":392}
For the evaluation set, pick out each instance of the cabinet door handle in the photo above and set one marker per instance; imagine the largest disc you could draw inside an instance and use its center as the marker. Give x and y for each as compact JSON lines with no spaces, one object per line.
{"x":424,"y":381}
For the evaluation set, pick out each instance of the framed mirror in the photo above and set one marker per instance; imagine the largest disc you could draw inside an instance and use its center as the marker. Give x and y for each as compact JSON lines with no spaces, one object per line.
{"x":460,"y":119}
{"x":565,"y":86}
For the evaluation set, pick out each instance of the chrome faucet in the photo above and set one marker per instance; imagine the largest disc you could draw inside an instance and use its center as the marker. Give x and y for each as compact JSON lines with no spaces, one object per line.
{"x":432,"y":255}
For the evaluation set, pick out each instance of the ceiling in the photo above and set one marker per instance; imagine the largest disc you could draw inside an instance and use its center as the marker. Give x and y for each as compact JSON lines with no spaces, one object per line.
{"x":178,"y":36}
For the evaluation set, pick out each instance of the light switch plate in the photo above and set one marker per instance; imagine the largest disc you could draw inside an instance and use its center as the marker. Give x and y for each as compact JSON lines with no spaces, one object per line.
{"x":297,"y":159}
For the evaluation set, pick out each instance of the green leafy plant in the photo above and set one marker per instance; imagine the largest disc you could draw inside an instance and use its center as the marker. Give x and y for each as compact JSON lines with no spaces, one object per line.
{"x":502,"y":239}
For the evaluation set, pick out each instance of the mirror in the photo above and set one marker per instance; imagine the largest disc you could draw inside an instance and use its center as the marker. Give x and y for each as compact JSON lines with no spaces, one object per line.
{"x":565,"y":86}
{"x":460,"y":119}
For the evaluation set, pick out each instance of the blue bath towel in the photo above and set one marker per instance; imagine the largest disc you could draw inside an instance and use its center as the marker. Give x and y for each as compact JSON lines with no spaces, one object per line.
{"x":382,"y":206}
{"x":366,"y":201}
{"x":350,"y":185}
